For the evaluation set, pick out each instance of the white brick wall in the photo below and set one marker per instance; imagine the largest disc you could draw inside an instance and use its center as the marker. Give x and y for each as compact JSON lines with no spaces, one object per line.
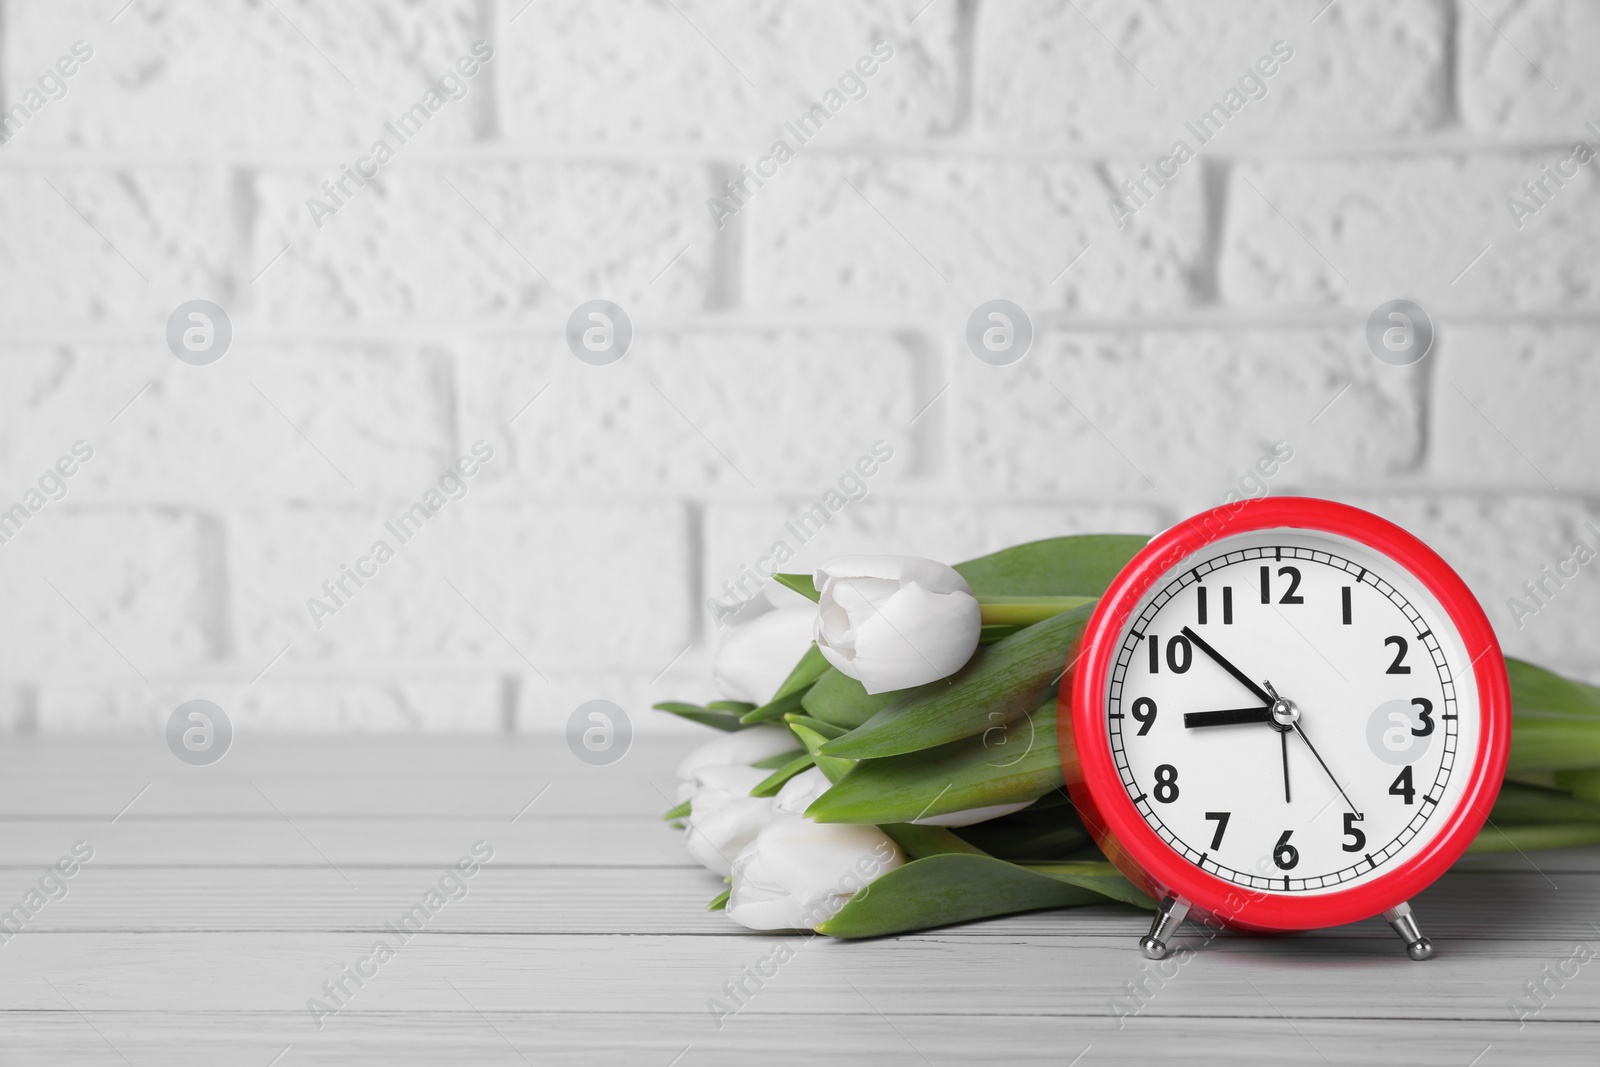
{"x":826,"y":313}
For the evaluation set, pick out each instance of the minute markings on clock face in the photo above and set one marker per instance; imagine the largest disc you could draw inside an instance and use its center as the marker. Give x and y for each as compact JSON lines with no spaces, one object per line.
{"x":1363,"y":655}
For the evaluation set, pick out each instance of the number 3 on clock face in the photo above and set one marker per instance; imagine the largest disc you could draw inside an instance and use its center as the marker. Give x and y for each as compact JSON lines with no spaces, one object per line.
{"x":1283,"y":714}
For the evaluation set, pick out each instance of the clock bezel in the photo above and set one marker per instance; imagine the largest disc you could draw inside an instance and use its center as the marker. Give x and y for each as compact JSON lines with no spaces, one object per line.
{"x":1140,"y":853}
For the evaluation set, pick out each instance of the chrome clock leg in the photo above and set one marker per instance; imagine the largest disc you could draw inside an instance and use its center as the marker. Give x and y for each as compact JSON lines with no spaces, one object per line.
{"x":1170,"y":916}
{"x":1405,"y":924}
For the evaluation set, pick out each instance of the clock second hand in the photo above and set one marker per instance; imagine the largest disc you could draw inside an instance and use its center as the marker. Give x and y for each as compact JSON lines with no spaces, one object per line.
{"x":1331,"y":778}
{"x":1286,"y":717}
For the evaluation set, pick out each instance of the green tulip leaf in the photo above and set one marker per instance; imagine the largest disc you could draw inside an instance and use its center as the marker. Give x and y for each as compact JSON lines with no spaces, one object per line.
{"x":731,"y":707}
{"x":951,"y":888}
{"x":1552,"y":742}
{"x":1538,"y":691}
{"x":1583,"y":783}
{"x":919,"y":842}
{"x":1528,"y":805}
{"x":1056,"y":798}
{"x":831,"y":768}
{"x":839,"y":699}
{"x":720,"y":901}
{"x":990,"y":632}
{"x":800,"y":583}
{"x":769,"y":786}
{"x":767,"y":763}
{"x":1001,"y":682}
{"x":811,"y":665}
{"x":1008,"y":765}
{"x":1042,"y":840}
{"x":775,"y":709}
{"x":794,"y":687}
{"x":826,"y":730}
{"x":1098,"y":875}
{"x":719,"y":720}
{"x":1493,"y":839}
{"x":677,"y":811}
{"x":1081,"y":565}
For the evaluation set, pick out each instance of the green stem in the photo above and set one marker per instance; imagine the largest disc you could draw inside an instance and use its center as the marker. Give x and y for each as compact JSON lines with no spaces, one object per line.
{"x":1027,"y":610}
{"x":1552,"y":742}
{"x":1493,"y":839}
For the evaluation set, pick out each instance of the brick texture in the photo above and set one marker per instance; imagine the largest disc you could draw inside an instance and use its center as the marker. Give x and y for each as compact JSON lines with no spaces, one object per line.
{"x":728,"y":71}
{"x":748,"y":413}
{"x":1185,"y":414}
{"x":496,"y":242}
{"x":1527,"y":68}
{"x":1512,"y":405}
{"x":1354,"y":234}
{"x":1103,"y":70}
{"x":192,"y":78}
{"x":988,"y":149}
{"x":132,"y":243}
{"x":922,"y":236}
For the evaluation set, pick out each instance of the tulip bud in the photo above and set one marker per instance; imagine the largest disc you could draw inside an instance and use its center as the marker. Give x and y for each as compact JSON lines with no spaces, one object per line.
{"x":717,"y":836}
{"x":723,"y":816}
{"x":713,"y":786}
{"x":756,"y":656}
{"x":741,"y":747}
{"x":798,"y":792}
{"x":798,"y":873}
{"x":893,"y":622}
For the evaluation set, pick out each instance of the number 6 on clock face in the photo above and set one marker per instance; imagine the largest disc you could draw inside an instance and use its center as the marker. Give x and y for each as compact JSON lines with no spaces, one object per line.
{"x":1287,"y":713}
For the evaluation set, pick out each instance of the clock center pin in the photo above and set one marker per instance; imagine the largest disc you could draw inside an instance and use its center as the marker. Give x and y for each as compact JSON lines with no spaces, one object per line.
{"x":1285,"y":713}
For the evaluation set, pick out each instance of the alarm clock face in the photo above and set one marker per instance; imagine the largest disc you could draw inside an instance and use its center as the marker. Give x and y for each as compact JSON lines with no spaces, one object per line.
{"x":1292,"y":712}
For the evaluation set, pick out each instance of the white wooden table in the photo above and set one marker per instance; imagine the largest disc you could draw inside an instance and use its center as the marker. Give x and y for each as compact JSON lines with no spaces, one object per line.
{"x":224,"y":897}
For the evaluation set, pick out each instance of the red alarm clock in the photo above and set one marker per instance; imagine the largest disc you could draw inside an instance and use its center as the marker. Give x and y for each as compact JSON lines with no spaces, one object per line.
{"x":1285,"y":714}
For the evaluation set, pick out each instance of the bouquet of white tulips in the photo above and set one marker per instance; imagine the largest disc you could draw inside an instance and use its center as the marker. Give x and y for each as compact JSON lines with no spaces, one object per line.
{"x":902,"y":734}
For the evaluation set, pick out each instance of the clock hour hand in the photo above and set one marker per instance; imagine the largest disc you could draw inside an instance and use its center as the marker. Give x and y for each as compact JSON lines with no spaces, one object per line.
{"x":1244,"y":679}
{"x":1227,"y":717}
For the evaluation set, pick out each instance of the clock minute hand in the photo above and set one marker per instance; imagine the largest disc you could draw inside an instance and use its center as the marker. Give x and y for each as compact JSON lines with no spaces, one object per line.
{"x":1227,"y":717}
{"x":1244,"y":679}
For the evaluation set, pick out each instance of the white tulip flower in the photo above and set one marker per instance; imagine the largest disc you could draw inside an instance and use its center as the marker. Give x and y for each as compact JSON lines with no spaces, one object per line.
{"x":741,"y":747}
{"x":723,"y":816}
{"x":715,"y":837}
{"x":713,"y":786}
{"x":798,"y":873}
{"x":798,"y":792}
{"x":756,"y":656}
{"x":893,"y":622}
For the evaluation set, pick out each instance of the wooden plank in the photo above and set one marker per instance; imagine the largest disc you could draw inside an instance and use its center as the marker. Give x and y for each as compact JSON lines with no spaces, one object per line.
{"x":536,"y":839}
{"x":608,"y":1037}
{"x":1305,"y":977}
{"x":551,"y":838}
{"x":219,"y":903}
{"x":1490,"y":905}
{"x":321,"y":777}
